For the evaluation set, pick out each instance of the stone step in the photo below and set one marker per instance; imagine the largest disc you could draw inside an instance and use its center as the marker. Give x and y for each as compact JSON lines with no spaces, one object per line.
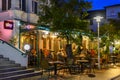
{"x":7,"y":62}
{"x":13,"y":73}
{"x":11,"y":69}
{"x":26,"y":75}
{"x":3,"y":66}
{"x":1,"y":56}
{"x":4,"y":59}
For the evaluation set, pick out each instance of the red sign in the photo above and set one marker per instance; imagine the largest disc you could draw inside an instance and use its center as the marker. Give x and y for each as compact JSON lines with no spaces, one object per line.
{"x":8,"y":24}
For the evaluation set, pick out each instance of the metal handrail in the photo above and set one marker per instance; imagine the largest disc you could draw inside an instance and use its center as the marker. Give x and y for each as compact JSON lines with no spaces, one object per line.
{"x":23,"y":53}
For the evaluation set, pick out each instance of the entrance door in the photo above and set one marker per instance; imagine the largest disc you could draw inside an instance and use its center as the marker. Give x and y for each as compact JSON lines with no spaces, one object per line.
{"x":30,"y":38}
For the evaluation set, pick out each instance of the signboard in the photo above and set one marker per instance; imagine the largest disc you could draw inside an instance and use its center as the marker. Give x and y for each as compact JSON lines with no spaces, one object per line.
{"x":8,"y":25}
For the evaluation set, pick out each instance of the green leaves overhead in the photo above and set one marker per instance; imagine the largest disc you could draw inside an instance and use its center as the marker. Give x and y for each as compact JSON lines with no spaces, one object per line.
{"x":64,"y":16}
{"x":109,"y":32}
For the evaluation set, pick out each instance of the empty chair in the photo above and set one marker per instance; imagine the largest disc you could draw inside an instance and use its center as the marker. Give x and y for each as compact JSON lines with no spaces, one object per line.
{"x":46,"y":67}
{"x":71,"y":66}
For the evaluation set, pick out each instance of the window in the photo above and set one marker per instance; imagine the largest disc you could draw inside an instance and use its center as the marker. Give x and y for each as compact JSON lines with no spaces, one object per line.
{"x":3,"y":5}
{"x":118,"y":14}
{"x":34,"y":7}
{"x":22,"y":4}
{"x":112,"y":13}
{"x":91,"y":22}
{"x":6,"y":5}
{"x":9,"y":4}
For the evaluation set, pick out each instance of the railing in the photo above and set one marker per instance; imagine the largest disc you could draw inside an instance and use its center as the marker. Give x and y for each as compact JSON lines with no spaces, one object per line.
{"x":19,"y":15}
{"x":13,"y":53}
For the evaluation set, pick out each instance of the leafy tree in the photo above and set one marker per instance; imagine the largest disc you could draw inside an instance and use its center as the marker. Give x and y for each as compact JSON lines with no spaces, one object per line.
{"x":111,"y":30}
{"x":109,"y":33}
{"x":107,"y":30}
{"x":67,"y":17}
{"x":116,"y":24}
{"x":64,"y":16}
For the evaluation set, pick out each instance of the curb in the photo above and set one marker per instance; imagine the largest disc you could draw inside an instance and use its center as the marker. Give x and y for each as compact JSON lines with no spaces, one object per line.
{"x":116,"y":78}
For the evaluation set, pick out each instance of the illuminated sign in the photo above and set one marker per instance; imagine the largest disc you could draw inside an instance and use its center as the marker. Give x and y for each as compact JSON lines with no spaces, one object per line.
{"x":8,"y":25}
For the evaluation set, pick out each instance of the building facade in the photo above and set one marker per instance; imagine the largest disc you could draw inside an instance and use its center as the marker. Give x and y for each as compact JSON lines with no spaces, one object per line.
{"x":18,"y":19}
{"x":113,"y":12}
{"x":94,"y":13}
{"x":13,"y":12}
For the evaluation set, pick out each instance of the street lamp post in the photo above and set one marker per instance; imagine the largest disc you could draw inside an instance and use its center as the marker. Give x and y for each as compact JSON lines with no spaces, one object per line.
{"x":98,"y":19}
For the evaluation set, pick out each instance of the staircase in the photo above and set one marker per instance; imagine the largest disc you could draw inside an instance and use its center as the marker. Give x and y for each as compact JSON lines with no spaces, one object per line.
{"x":9,"y":70}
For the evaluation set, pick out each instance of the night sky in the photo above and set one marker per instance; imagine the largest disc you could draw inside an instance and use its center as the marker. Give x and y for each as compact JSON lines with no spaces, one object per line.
{"x":100,"y":4}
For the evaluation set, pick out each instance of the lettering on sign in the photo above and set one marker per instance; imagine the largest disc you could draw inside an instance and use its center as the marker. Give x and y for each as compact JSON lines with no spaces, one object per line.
{"x":8,"y":25}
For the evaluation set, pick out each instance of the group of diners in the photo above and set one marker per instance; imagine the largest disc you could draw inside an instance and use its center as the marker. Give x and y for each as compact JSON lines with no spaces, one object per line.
{"x":84,"y":59}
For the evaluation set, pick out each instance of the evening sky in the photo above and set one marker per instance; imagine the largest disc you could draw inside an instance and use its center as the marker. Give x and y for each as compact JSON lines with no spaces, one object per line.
{"x":100,"y":4}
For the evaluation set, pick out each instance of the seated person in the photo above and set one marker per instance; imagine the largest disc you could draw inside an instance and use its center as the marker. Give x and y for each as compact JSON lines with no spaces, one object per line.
{"x":60,"y":55}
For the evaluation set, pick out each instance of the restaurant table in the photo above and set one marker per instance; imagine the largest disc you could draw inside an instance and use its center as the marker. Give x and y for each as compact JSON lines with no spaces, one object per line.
{"x":55,"y":63}
{"x":82,"y":62}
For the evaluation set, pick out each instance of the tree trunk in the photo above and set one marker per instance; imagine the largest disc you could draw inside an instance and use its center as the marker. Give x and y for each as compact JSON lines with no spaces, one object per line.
{"x":69,"y":51}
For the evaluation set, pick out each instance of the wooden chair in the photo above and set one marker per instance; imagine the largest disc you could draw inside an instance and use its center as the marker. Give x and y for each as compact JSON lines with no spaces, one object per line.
{"x":46,"y":67}
{"x":72,"y":67}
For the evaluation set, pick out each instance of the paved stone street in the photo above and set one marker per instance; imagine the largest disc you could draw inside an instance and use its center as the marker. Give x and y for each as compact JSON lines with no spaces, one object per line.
{"x":103,"y":74}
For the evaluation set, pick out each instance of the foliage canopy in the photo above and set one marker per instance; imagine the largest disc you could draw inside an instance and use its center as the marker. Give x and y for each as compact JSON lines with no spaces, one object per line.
{"x":64,"y":16}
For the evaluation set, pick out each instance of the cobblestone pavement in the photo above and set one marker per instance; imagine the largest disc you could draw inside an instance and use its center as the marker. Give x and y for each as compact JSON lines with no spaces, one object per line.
{"x":103,"y":74}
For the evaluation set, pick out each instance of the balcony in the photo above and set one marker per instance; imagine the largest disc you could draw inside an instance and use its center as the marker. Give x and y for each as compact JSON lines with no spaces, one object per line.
{"x":18,"y":15}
